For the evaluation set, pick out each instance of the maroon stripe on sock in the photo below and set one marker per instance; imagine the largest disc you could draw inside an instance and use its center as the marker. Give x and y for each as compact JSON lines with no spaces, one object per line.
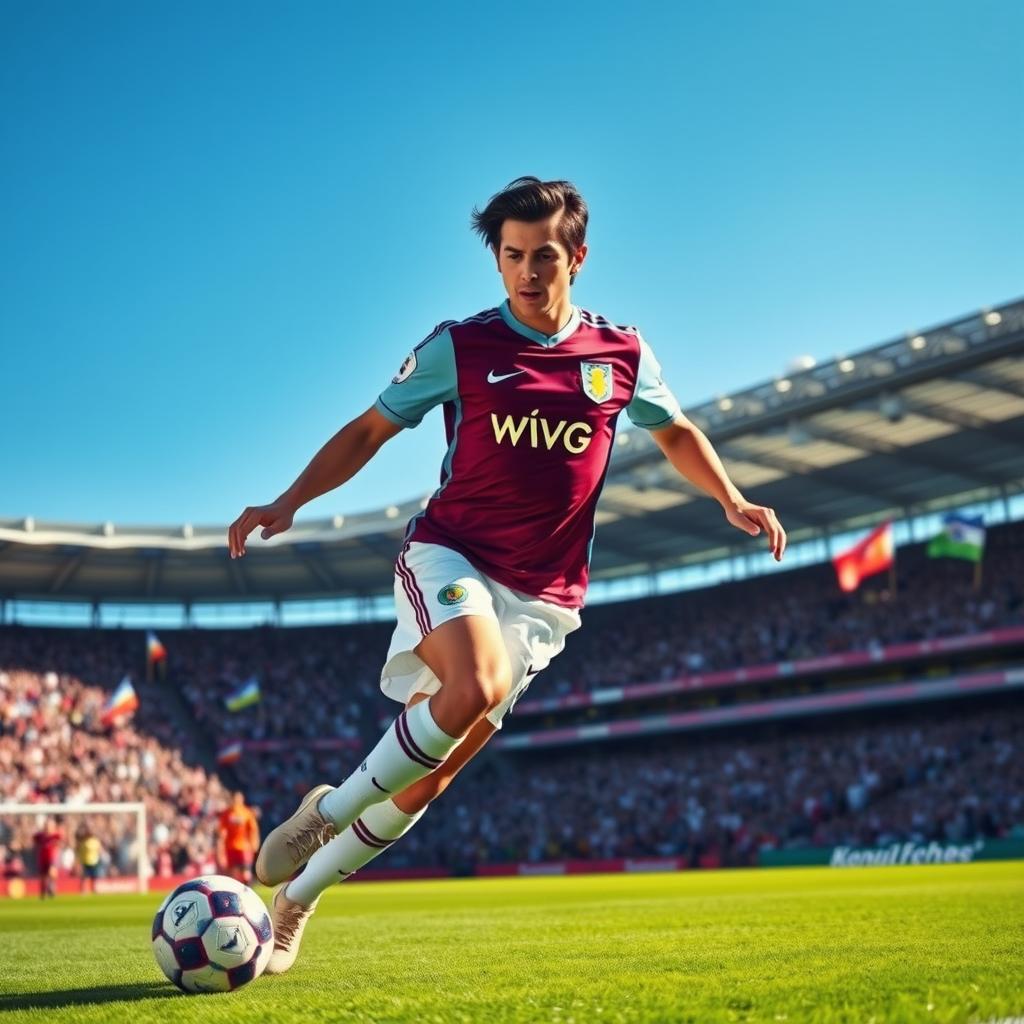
{"x":378,"y":785}
{"x":373,"y":836}
{"x":414,"y":592}
{"x":409,"y":745}
{"x":364,"y":835}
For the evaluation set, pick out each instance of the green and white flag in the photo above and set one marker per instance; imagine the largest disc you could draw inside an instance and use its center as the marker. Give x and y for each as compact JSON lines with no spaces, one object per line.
{"x":962,"y":537}
{"x":243,"y":696}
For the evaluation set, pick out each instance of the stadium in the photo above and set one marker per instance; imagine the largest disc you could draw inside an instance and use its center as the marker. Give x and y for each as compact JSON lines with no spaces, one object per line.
{"x":717,"y":711}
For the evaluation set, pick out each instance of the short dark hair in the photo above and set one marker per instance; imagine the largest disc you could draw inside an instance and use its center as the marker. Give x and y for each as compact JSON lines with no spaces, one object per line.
{"x":530,"y":199}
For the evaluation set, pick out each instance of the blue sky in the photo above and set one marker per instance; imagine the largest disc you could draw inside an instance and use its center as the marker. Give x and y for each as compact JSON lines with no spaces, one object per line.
{"x":225,"y":224}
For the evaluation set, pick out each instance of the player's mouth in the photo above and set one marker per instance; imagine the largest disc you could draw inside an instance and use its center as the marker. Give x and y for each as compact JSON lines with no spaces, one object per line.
{"x":530,"y":294}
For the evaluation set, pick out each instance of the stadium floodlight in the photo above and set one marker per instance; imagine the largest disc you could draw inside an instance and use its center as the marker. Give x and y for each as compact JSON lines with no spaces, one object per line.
{"x":801,"y":363}
{"x":391,"y":511}
{"x":783,"y":384}
{"x":725,"y":403}
{"x":993,"y":318}
{"x":136,"y":808}
{"x":339,"y":522}
{"x":846,"y":365}
{"x":892,"y":407}
{"x":918,"y":342}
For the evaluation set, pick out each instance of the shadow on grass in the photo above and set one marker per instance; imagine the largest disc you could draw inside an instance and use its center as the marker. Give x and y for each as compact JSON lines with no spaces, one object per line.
{"x":86,"y":996}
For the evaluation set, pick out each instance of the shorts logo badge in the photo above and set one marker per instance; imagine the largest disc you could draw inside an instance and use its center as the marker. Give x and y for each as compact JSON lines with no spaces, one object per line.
{"x":597,"y":381}
{"x":454,"y":593}
{"x":406,"y":369}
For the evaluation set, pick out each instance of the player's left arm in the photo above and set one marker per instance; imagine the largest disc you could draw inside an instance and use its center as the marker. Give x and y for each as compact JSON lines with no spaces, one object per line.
{"x":655,"y":409}
{"x":691,"y":454}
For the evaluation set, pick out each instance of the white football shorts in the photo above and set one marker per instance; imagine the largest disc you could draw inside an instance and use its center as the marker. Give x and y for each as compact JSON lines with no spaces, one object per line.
{"x":434,"y":584}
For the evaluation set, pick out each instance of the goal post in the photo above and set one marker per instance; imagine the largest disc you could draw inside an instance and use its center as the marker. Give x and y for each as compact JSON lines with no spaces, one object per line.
{"x":136,"y":808}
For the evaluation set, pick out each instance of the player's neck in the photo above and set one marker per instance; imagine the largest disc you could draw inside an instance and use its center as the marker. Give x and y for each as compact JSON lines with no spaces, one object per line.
{"x":548,"y":321}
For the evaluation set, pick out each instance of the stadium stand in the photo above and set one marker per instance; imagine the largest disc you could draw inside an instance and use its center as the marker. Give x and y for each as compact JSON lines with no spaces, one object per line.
{"x":938,"y":771}
{"x":726,"y":725}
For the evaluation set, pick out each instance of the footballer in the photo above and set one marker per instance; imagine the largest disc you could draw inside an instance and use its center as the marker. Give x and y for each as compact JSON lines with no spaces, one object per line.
{"x":492,"y":574}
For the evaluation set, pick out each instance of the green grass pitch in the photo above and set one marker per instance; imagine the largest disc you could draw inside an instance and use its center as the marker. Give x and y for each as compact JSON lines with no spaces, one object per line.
{"x":943,"y":944}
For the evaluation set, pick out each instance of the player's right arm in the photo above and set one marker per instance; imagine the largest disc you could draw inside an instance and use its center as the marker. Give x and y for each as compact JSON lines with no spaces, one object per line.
{"x":427,"y":377}
{"x":338,"y":460}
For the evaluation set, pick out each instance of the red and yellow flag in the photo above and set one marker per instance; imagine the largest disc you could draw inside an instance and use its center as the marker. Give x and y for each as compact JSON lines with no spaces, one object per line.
{"x":872,"y":554}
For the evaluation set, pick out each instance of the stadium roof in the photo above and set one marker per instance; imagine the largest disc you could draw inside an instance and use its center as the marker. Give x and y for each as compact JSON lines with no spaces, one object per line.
{"x":922,"y":422}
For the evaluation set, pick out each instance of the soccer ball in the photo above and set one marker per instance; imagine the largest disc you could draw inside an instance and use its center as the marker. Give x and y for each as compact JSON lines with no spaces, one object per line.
{"x":212,"y":934}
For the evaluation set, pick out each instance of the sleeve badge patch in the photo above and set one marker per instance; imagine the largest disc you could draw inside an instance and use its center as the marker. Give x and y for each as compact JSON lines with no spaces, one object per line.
{"x":406,"y":369}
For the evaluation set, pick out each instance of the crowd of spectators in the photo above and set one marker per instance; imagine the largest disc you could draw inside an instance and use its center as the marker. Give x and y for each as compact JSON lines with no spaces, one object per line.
{"x":707,"y":800}
{"x":946,"y":776}
{"x":789,"y":616}
{"x":55,"y":748}
{"x":324,"y":682}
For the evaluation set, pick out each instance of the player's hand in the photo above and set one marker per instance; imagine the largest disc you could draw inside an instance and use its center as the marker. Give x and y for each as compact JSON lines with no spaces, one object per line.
{"x":752,"y":519}
{"x":274,"y":518}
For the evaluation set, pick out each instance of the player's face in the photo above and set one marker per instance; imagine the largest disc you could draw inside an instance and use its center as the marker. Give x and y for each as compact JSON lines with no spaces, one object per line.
{"x":535,"y":267}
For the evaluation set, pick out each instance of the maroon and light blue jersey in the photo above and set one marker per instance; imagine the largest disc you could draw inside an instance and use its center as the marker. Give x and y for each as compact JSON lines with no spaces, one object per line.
{"x":530,"y":421}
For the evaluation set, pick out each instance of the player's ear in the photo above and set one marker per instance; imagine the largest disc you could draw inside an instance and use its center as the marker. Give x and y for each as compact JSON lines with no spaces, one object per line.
{"x":577,"y":260}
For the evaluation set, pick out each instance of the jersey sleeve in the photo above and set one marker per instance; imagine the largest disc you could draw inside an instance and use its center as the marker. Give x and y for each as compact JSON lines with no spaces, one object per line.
{"x":653,"y":404}
{"x":426,"y":378}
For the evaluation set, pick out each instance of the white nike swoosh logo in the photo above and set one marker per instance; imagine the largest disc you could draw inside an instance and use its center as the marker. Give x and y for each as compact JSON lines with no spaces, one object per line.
{"x":493,"y":378}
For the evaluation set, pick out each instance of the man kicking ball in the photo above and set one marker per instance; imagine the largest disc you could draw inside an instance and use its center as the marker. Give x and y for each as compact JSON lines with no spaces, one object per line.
{"x":493,"y":572}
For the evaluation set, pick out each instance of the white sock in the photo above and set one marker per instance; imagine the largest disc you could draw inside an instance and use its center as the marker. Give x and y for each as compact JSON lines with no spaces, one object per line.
{"x":367,"y":837}
{"x":411,"y":749}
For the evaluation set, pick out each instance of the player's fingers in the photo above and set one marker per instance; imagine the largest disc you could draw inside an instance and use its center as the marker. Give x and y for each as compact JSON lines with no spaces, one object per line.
{"x":243,"y":526}
{"x":782,"y":542}
{"x":233,"y":535}
{"x":745,"y":521}
{"x":776,"y":534}
{"x":771,"y":527}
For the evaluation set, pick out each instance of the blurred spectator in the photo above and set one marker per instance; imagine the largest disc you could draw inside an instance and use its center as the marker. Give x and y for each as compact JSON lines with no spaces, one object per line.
{"x":88,"y":849}
{"x":47,"y":842}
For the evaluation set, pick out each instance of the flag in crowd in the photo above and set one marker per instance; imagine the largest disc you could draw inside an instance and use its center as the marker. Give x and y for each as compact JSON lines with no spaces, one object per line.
{"x":123,"y":701}
{"x":243,"y":696}
{"x":155,"y":651}
{"x":874,"y":553}
{"x":962,"y":536}
{"x":156,"y":655}
{"x":230,"y":752}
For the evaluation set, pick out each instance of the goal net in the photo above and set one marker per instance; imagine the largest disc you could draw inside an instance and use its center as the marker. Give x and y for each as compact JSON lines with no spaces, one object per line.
{"x":120,"y":829}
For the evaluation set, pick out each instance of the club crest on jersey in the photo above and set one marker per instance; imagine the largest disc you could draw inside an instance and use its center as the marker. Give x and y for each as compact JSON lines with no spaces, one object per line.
{"x":454,"y":593}
{"x":405,"y":370}
{"x":597,"y":381}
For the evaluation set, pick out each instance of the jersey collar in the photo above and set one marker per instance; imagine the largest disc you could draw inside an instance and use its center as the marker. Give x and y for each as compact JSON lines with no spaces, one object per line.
{"x":542,"y":339}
